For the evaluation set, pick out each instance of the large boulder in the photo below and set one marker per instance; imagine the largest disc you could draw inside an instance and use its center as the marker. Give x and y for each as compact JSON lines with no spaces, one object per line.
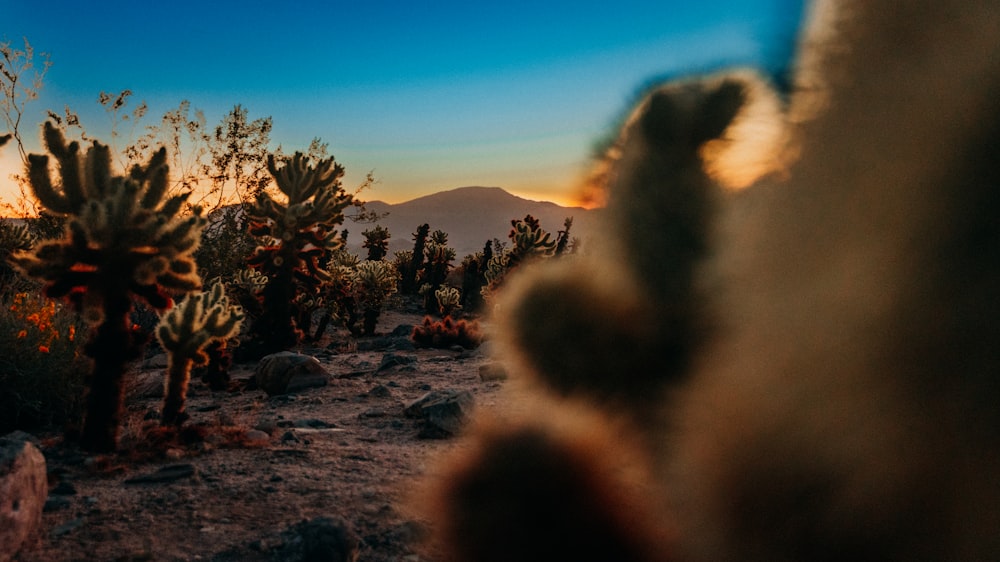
{"x":287,"y":372}
{"x":23,"y":489}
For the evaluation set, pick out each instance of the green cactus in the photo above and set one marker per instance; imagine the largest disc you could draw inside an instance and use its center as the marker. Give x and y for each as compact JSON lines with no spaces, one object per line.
{"x":449,"y":300}
{"x":122,"y":241}
{"x":184,"y":332}
{"x":374,"y":283}
{"x":295,"y":235}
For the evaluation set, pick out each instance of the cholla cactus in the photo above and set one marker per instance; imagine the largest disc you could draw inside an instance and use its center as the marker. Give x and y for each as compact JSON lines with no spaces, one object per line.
{"x":449,"y":300}
{"x":530,"y":240}
{"x":377,"y":242}
{"x":297,"y":234}
{"x":185,"y":332}
{"x":121,"y":241}
{"x":437,"y":263}
{"x":374,"y":282}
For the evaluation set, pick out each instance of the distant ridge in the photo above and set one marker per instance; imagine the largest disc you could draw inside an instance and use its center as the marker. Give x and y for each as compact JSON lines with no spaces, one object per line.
{"x":470,"y":216}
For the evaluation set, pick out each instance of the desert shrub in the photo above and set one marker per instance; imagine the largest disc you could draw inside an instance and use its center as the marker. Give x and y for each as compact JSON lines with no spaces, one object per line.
{"x":225,"y":243}
{"x":447,"y":332}
{"x":42,"y":368}
{"x":14,"y":237}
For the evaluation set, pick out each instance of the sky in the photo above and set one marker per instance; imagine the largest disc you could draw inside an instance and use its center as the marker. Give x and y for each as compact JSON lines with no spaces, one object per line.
{"x":428,"y":96}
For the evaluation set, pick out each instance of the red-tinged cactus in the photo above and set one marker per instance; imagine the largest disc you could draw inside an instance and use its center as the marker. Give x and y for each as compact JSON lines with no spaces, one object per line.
{"x":296,"y":234}
{"x":122,"y":242}
{"x":447,"y":332}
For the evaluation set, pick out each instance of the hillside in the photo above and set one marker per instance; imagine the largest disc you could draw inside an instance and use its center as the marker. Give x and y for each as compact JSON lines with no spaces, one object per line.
{"x":470,"y":216}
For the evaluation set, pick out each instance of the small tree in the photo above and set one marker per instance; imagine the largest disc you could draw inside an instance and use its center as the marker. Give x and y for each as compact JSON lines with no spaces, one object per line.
{"x":295,"y":235}
{"x":122,"y":241}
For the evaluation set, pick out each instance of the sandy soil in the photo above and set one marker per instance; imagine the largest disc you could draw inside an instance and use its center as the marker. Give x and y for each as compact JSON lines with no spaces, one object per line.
{"x":234,"y":498}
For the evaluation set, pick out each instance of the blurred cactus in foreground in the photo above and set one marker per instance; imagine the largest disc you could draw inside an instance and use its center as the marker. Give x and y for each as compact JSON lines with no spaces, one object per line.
{"x":122,"y":241}
{"x":295,"y":235}
{"x":184,"y":332}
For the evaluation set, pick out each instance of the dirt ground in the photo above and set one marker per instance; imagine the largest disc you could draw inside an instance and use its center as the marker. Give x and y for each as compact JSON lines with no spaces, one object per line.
{"x":345,"y":452}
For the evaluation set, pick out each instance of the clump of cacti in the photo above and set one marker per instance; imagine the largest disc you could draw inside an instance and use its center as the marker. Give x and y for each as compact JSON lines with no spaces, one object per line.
{"x":438,"y":256}
{"x":446,"y":333}
{"x":296,"y":234}
{"x":529,"y":242}
{"x":122,"y":241}
{"x":185,"y":332}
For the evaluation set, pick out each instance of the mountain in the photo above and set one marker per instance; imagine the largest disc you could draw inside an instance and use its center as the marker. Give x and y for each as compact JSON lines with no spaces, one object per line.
{"x":470,"y":216}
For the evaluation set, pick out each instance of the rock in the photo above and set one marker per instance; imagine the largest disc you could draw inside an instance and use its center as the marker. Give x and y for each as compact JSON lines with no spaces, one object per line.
{"x":444,"y":412}
{"x":380,"y":391}
{"x":402,"y":331}
{"x":64,"y":489}
{"x":287,"y":371}
{"x":312,"y":423}
{"x":167,"y":473}
{"x":257,"y":435}
{"x":398,"y":343}
{"x":323,"y":539}
{"x":492,"y":372}
{"x":390,"y":360}
{"x":56,"y":503}
{"x":145,"y":384}
{"x":23,"y":490}
{"x":158,"y":361}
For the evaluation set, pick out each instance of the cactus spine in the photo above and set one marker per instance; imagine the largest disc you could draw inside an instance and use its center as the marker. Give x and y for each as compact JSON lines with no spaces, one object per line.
{"x":184,"y":332}
{"x":122,"y":241}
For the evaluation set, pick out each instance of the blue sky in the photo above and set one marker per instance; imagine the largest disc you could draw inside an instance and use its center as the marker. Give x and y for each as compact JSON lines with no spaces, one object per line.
{"x":428,"y":95}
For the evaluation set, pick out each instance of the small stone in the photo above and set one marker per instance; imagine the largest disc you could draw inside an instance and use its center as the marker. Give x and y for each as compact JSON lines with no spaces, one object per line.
{"x":380,"y":391}
{"x":56,"y":503}
{"x":390,"y":360}
{"x":168,"y":473}
{"x":492,"y":372}
{"x":257,"y":435}
{"x":312,"y":423}
{"x":63,"y":489}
